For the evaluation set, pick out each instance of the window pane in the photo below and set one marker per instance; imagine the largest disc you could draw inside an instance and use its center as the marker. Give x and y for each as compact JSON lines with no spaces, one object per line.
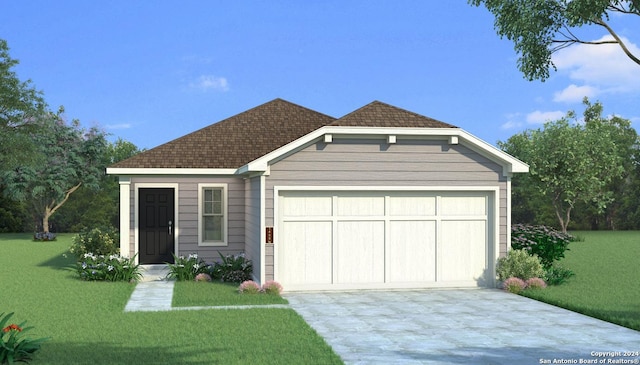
{"x":217,"y":207}
{"x":208,"y":195}
{"x":217,"y":195}
{"x":208,"y":207}
{"x":212,"y":230}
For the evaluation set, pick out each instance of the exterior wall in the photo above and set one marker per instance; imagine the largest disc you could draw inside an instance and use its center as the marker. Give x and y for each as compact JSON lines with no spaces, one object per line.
{"x":374,"y":162}
{"x":252,"y":224}
{"x":187,"y":214}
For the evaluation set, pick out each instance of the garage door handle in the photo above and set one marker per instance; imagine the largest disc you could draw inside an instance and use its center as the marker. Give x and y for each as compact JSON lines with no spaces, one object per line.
{"x":170,"y":227}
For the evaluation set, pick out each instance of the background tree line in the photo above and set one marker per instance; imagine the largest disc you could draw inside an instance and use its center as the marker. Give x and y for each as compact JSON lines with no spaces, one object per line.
{"x":52,"y":172}
{"x":585,"y":172}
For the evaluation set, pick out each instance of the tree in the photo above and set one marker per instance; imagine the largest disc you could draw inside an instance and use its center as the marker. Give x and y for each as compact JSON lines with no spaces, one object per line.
{"x":540,"y":28}
{"x":571,"y":161}
{"x":69,"y":157}
{"x":90,"y":208}
{"x":20,"y":103}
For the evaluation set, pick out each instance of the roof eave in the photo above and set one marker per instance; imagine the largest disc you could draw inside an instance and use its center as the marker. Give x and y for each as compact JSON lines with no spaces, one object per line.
{"x":122,"y":171}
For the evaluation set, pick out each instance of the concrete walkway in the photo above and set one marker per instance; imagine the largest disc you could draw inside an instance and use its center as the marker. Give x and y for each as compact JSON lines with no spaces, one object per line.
{"x":477,"y":326}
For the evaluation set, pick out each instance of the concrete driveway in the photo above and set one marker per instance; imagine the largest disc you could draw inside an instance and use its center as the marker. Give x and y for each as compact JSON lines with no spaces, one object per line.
{"x":476,"y":326}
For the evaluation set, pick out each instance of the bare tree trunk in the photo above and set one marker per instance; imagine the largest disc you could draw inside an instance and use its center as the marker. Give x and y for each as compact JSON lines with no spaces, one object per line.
{"x":564,"y":221}
{"x":53,"y":207}
{"x":45,"y":220}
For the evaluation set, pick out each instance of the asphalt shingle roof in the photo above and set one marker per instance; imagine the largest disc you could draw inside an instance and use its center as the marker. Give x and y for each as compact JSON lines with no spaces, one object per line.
{"x":379,"y":114}
{"x":233,"y":142}
{"x":240,"y":139}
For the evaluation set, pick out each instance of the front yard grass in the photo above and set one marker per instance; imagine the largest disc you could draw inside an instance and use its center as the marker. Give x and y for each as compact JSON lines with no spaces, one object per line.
{"x":87,"y":323}
{"x":192,"y":294}
{"x":607,"y":280}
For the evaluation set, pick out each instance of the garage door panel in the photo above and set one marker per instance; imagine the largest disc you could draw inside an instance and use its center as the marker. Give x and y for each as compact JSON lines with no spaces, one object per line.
{"x":360,"y":206}
{"x":463,"y":250}
{"x":301,"y":206}
{"x":463,"y":206}
{"x":400,"y":206}
{"x":411,"y":251}
{"x":360,"y":252}
{"x":307,"y":253}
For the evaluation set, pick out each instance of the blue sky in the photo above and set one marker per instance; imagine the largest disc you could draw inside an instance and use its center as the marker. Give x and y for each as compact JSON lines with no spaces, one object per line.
{"x":152,"y":71}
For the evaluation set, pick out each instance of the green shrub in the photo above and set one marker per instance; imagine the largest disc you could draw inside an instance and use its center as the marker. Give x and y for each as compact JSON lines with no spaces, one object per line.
{"x":107,"y":268}
{"x":96,"y":241}
{"x":186,"y":268}
{"x":519,"y":264}
{"x":232,"y":269}
{"x":556,"y":275}
{"x":546,"y":243}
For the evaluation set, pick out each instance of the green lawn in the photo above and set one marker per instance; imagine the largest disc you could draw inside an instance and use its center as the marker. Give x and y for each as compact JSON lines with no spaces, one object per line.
{"x":87,"y":325}
{"x":192,"y":294}
{"x":607,"y":280}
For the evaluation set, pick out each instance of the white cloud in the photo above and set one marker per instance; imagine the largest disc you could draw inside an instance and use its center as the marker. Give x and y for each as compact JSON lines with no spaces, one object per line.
{"x":118,"y":126}
{"x":210,"y":82}
{"x":574,"y":93}
{"x":538,"y":117}
{"x":511,"y":124}
{"x":602,"y":67}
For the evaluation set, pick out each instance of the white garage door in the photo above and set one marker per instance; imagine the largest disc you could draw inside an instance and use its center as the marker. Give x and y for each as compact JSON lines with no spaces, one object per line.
{"x":353,"y":240}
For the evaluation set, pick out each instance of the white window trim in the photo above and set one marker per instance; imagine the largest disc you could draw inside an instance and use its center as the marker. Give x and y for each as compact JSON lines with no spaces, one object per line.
{"x":225,"y":212}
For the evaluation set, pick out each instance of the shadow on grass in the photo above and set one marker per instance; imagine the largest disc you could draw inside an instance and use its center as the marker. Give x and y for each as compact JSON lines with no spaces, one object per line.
{"x":105,"y":353}
{"x":60,"y":262}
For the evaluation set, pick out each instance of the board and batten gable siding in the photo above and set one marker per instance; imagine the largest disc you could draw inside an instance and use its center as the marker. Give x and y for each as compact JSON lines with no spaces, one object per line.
{"x":374,"y":162}
{"x":187,"y":211}
{"x":252,"y":224}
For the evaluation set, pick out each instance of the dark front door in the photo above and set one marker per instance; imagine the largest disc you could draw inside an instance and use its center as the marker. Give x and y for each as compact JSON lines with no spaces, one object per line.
{"x":156,"y":225}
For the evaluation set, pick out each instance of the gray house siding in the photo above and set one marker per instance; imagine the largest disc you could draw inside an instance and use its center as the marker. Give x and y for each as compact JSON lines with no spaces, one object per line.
{"x":187,"y":213}
{"x":252,"y":223}
{"x":373,"y":162}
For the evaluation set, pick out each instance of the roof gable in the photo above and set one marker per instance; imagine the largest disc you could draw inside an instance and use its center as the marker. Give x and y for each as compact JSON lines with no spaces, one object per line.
{"x":235,"y":141}
{"x":379,"y":114}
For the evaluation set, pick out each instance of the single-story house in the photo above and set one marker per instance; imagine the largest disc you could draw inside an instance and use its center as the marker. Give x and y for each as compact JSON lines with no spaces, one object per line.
{"x":379,"y":198}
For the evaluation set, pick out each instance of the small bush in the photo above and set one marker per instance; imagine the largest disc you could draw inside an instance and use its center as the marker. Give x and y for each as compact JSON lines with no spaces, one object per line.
{"x":186,"y":268}
{"x":514,"y":285}
{"x":97,"y":241}
{"x":203,"y":277}
{"x":519,"y":264}
{"x":535,"y":283}
{"x":249,"y":287}
{"x":108,"y":268}
{"x":556,"y":275}
{"x":232,"y":269}
{"x":14,"y":346}
{"x":546,"y":243}
{"x":272,"y":287}
{"x":44,"y":236}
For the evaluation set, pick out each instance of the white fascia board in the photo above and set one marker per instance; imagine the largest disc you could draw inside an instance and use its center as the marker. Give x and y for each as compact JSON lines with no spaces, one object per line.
{"x":170,"y":171}
{"x":512,"y":164}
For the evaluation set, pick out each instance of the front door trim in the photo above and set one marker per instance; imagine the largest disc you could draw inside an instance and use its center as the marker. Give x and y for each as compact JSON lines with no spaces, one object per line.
{"x":136,"y":222}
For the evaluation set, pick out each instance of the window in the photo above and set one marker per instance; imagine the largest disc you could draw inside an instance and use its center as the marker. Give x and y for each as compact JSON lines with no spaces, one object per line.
{"x":212,"y":215}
